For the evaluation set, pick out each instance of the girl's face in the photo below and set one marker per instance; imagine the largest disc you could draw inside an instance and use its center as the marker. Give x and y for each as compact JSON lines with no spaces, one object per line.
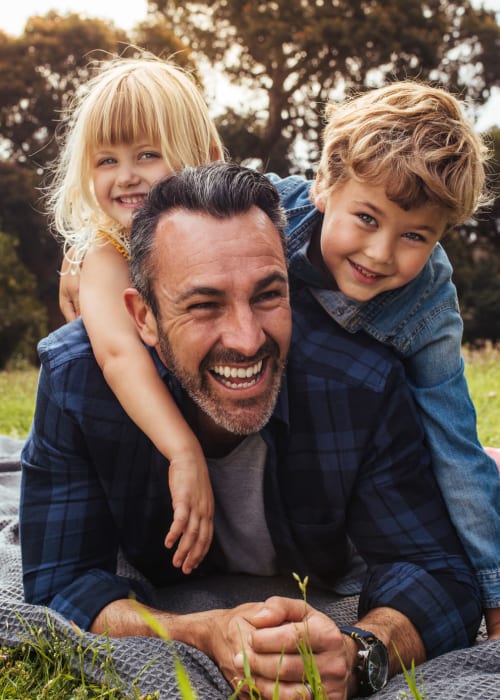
{"x":122,"y":177}
{"x":368,"y":244}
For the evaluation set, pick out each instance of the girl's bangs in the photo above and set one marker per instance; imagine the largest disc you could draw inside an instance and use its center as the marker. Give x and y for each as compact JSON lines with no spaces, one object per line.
{"x":123,"y":118}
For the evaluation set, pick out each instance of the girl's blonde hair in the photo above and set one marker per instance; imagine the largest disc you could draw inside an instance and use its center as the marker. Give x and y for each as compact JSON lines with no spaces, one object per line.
{"x":412,"y":138}
{"x":128,"y":100}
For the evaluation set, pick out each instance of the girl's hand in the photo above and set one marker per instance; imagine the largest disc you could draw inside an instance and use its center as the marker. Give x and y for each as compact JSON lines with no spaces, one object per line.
{"x":69,"y":290}
{"x":193,"y":505}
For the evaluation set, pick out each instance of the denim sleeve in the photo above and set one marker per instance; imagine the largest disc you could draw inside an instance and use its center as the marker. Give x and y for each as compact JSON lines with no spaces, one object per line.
{"x":467,"y":476}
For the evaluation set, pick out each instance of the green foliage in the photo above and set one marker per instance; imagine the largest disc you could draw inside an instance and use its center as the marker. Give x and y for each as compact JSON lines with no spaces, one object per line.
{"x":49,"y":665}
{"x":311,"y":672}
{"x":298,"y":55}
{"x":183,"y":682}
{"x":476,"y":273}
{"x":411,"y":680}
{"x":23,"y":319}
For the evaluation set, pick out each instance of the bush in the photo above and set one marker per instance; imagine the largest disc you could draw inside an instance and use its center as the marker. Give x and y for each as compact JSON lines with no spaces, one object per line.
{"x":23,"y":320}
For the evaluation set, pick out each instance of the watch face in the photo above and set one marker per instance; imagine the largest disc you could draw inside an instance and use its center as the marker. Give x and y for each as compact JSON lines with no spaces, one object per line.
{"x":377,"y":666}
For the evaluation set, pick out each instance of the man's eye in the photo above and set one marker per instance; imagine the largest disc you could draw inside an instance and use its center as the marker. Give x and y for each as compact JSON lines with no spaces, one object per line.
{"x":202,"y":306}
{"x":270,"y":295}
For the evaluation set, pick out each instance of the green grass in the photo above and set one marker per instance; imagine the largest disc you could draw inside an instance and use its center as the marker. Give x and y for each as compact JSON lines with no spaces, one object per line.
{"x":482,"y":369}
{"x":17,"y":389}
{"x":48,"y":665}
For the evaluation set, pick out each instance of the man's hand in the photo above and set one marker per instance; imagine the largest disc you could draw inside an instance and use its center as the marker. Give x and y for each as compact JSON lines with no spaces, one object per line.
{"x":272,"y":649}
{"x":263,"y":631}
{"x":69,"y":288}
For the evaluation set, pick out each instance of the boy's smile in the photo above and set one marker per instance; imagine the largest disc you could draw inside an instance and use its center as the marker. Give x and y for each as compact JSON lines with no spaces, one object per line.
{"x":368,"y":243}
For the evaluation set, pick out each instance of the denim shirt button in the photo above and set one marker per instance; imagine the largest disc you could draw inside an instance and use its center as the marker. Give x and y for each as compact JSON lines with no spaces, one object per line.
{"x":339,"y":312}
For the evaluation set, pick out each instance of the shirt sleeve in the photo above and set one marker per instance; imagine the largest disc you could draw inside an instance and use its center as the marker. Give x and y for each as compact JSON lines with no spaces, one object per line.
{"x":467,"y":476}
{"x":398,"y":521}
{"x":69,"y":541}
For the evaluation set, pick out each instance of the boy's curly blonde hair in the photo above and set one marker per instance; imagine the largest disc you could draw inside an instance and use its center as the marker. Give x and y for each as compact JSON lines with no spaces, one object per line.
{"x":412,"y":138}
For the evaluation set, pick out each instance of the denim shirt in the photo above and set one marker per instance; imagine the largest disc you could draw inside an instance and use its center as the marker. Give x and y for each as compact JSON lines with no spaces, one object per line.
{"x":421,"y":322}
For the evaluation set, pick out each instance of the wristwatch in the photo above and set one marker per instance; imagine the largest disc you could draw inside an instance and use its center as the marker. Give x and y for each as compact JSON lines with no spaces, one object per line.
{"x":372,"y":665}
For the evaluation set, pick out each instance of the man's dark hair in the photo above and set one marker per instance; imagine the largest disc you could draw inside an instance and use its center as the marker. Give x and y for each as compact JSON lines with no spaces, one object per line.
{"x":219,"y":189}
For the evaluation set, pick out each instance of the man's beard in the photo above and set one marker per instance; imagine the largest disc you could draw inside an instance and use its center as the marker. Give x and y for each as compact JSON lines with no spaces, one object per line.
{"x":240,"y":416}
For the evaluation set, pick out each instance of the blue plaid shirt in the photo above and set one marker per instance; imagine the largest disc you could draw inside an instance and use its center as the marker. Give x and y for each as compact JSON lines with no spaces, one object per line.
{"x":345,"y":463}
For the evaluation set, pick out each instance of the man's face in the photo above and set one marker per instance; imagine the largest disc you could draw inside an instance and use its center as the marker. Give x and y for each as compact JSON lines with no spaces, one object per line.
{"x":224,"y":320}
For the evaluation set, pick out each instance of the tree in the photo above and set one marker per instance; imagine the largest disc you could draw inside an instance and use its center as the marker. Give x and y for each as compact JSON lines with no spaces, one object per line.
{"x":23,"y":318}
{"x":39,"y":72}
{"x":299,"y":55}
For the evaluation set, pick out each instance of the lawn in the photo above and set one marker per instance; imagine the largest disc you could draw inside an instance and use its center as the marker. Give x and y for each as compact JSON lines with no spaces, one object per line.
{"x":18,"y":387}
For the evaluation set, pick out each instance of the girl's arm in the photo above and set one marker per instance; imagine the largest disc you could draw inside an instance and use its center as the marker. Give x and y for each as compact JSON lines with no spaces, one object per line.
{"x":131,"y":374}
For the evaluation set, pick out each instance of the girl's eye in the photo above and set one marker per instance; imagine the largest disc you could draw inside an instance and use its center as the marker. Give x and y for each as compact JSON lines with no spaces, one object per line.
{"x":106,"y":161}
{"x":147,"y":155}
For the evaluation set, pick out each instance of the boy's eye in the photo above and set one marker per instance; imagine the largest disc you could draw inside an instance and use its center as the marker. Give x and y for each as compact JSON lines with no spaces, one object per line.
{"x":367,"y":219}
{"x":412,"y":236}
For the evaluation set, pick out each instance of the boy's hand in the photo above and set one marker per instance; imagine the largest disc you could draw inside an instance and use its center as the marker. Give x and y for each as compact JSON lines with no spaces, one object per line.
{"x":492,"y":617}
{"x":494,"y":453}
{"x":193,"y":505}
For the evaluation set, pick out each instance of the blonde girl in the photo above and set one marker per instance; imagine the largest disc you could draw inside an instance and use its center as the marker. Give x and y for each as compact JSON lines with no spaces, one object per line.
{"x":136,"y":121}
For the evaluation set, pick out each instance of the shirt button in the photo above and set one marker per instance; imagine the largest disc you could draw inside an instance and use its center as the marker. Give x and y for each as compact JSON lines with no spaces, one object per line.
{"x":339,"y":312}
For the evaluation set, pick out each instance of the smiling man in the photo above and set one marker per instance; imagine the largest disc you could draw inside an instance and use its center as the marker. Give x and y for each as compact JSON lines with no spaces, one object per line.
{"x":303,"y":460}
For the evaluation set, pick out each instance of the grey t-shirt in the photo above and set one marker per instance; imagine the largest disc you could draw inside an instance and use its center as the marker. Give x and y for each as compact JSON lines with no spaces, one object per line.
{"x":240,"y":524}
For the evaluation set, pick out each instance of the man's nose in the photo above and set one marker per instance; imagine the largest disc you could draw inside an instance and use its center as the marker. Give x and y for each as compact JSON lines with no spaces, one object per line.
{"x":242,"y":331}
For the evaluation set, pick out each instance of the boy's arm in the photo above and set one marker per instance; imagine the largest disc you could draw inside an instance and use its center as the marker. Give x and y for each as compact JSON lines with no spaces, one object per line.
{"x":133,"y":378}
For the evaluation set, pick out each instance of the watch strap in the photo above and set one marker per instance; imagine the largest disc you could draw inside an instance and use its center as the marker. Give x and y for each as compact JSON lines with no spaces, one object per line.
{"x":366,"y":641}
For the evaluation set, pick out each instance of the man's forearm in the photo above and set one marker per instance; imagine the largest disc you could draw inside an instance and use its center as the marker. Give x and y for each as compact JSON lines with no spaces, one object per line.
{"x":398,"y":634}
{"x":123,"y":618}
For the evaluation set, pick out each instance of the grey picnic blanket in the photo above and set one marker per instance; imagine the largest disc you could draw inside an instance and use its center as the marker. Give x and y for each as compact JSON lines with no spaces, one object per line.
{"x":472,"y":673}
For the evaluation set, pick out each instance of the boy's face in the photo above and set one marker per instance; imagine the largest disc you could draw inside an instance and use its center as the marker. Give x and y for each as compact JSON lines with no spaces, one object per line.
{"x":122,"y":177}
{"x":368,"y":243}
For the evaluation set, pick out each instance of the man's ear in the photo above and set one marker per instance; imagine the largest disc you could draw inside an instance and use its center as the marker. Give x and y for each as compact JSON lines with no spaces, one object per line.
{"x":142,"y":316}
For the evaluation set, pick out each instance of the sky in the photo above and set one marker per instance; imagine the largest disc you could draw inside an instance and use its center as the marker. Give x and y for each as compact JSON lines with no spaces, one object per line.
{"x":127,"y":14}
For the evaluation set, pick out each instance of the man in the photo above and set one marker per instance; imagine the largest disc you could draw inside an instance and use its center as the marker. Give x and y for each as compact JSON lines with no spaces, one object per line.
{"x":302,"y":461}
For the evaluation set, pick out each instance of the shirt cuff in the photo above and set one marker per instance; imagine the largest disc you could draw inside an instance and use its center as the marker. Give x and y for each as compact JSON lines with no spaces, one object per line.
{"x":85,"y":597}
{"x":444,"y":606}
